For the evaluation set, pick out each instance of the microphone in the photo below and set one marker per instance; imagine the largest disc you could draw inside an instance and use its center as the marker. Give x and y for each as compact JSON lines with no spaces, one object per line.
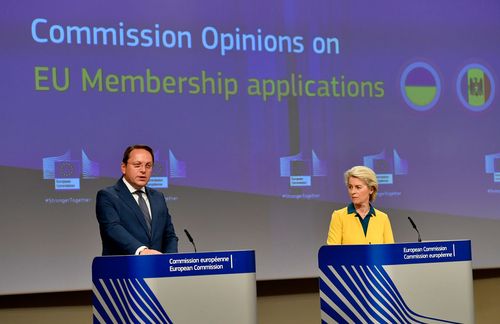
{"x":415,"y":227}
{"x":190,"y":238}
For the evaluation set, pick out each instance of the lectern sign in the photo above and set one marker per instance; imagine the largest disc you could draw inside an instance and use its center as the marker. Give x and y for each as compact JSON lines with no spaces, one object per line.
{"x":212,"y":287}
{"x":428,"y":282}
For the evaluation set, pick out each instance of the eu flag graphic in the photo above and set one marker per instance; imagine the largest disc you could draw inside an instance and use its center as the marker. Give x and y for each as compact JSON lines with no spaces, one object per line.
{"x":67,"y":169}
{"x":67,"y":175}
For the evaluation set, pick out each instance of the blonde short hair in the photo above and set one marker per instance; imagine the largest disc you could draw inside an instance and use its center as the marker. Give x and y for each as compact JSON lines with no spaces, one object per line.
{"x":366,"y":175}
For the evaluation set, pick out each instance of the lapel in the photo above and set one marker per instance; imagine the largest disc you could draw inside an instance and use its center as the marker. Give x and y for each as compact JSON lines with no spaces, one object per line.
{"x":126,"y":197}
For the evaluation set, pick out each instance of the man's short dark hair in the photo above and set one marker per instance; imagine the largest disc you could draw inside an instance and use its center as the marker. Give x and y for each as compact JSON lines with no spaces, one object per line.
{"x":126,"y":154}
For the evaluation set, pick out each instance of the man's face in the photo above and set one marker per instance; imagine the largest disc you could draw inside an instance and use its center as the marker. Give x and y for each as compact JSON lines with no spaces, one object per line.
{"x":138,"y":168}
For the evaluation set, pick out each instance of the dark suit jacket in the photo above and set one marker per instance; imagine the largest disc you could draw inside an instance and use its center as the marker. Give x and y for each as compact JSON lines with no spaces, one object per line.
{"x":122,"y":224}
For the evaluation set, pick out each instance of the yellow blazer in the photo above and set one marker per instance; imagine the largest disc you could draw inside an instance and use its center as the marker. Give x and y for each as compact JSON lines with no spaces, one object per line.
{"x":345,"y":228}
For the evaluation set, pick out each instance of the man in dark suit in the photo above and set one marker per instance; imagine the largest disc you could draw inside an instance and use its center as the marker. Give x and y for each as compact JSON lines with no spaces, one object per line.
{"x":134,"y":219}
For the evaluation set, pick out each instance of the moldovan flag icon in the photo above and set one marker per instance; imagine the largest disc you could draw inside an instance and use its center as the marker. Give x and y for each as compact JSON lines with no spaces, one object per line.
{"x":478,"y":87}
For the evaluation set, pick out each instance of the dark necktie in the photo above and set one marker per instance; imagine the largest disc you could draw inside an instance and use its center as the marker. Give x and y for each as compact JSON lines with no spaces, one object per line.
{"x":144,"y":208}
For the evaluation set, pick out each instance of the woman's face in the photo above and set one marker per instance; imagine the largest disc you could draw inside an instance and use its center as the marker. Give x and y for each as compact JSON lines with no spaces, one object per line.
{"x":358,"y":191}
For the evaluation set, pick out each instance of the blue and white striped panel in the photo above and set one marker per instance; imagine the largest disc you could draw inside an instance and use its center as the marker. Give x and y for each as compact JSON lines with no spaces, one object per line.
{"x":364,"y":294}
{"x":126,"y":301}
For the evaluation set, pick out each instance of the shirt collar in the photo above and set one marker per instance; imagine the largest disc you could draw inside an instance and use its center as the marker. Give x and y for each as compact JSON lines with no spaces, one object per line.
{"x":352,"y":210}
{"x":130,"y":188}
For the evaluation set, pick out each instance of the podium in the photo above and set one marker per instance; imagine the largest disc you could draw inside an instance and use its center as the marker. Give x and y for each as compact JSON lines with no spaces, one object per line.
{"x":206,"y":287}
{"x":428,"y":282}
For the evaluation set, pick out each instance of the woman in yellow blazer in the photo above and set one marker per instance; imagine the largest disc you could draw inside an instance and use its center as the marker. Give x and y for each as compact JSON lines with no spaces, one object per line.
{"x":359,"y":222}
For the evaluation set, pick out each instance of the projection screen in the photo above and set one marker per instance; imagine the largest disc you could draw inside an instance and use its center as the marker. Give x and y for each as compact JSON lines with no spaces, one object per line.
{"x":254,"y":110}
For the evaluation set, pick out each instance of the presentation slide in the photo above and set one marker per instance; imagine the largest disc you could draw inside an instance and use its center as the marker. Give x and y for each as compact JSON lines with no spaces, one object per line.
{"x":254,"y":111}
